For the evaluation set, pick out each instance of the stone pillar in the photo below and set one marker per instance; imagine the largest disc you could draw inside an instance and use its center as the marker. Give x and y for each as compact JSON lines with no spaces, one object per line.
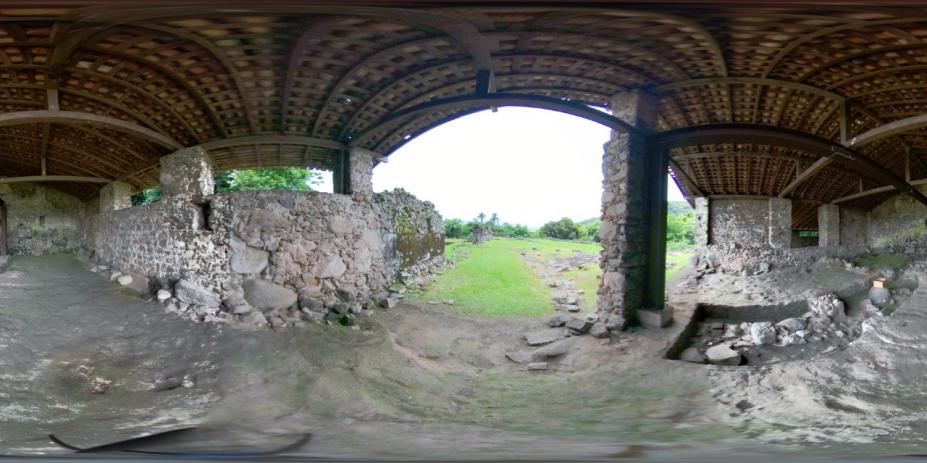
{"x":187,"y":174}
{"x":780,"y":223}
{"x":828,"y":225}
{"x":360,"y":174}
{"x":702,"y":221}
{"x":115,"y":196}
{"x":633,"y":232}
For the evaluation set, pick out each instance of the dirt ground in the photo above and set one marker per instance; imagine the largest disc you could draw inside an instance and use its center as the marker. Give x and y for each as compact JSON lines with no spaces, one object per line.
{"x":424,"y":381}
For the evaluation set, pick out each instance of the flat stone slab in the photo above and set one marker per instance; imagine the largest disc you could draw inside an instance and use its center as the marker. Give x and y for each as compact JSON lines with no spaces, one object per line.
{"x":542,"y":337}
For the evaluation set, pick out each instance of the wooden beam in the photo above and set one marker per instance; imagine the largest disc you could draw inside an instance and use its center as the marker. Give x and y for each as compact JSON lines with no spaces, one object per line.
{"x":273,"y":140}
{"x":805,"y":175}
{"x":887,"y":130}
{"x":844,"y":121}
{"x":863,"y":194}
{"x":684,"y":176}
{"x":65,"y":117}
{"x":46,"y":137}
{"x":55,"y":178}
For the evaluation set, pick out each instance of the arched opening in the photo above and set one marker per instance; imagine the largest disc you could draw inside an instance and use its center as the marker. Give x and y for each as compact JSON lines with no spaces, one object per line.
{"x":531,"y":180}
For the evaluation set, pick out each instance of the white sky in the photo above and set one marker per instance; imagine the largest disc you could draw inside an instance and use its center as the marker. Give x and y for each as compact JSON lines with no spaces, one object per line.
{"x":529,"y":166}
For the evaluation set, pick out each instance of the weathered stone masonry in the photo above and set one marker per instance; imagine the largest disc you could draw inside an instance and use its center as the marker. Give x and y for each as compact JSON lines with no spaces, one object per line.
{"x":268,"y":249}
{"x":40,"y":220}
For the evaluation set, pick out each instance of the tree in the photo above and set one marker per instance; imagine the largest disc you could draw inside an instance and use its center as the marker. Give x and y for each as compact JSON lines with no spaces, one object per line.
{"x":563,"y":229}
{"x":481,"y":216}
{"x":151,"y":195}
{"x":494,"y":219}
{"x":290,"y":178}
{"x":454,"y":228}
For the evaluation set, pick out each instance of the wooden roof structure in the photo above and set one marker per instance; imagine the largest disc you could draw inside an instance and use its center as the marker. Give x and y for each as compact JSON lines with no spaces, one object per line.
{"x":99,"y":89}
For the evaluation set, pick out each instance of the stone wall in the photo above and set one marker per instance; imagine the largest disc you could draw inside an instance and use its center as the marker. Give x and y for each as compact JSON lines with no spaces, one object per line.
{"x":854,"y":228}
{"x":742,"y":221}
{"x":40,"y":220}
{"x":165,"y":241}
{"x":413,"y":234}
{"x":898,"y":225}
{"x":271,"y":250}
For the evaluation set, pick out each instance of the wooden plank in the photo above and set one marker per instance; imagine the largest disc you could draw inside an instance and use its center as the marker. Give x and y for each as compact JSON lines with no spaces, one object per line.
{"x":887,"y":130}
{"x":805,"y":175}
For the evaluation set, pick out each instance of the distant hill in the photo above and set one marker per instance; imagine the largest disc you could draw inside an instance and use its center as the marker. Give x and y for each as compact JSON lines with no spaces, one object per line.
{"x":588,"y":221}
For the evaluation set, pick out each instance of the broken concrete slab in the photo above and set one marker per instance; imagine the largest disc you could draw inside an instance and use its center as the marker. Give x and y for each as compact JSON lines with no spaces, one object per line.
{"x":192,"y":293}
{"x":598,"y":330}
{"x":579,"y":326}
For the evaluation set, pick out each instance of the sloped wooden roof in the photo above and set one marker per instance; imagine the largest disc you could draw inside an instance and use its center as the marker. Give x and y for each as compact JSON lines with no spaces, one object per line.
{"x":325,"y":73}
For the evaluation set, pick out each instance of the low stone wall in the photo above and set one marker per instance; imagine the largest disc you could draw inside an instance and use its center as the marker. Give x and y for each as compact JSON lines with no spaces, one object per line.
{"x":270,"y":252}
{"x":40,"y":220}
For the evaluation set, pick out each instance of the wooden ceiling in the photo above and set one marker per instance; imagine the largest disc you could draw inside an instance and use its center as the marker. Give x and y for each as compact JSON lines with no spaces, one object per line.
{"x":259,"y":72}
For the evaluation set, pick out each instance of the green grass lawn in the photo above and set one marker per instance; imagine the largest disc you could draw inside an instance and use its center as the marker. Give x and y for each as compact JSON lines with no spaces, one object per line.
{"x":494,"y":279}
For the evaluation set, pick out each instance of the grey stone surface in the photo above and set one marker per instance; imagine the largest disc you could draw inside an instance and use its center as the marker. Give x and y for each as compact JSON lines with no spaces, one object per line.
{"x":192,"y":293}
{"x":539,"y":338}
{"x":246,"y":260}
{"x":40,"y":220}
{"x":722,"y":354}
{"x":579,"y":326}
{"x":691,"y":354}
{"x":187,"y":174}
{"x":780,"y":223}
{"x":879,"y":296}
{"x":828,"y":225}
{"x":115,"y":196}
{"x":762,"y":333}
{"x":598,"y":330}
{"x":265,"y":295}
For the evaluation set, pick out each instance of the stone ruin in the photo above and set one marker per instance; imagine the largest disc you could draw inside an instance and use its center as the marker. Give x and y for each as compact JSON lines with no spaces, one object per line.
{"x":255,"y":259}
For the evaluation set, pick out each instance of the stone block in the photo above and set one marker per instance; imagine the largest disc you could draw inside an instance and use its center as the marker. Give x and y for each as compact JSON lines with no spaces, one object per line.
{"x":656,"y":318}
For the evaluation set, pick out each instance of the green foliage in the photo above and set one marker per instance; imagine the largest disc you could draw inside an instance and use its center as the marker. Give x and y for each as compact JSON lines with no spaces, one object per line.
{"x":455,"y":228}
{"x":289,"y":178}
{"x":680,"y":225}
{"x":563,"y":229}
{"x":151,"y":195}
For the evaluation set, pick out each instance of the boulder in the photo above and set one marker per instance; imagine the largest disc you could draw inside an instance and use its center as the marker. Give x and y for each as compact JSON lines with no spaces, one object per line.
{"x":692,"y":355}
{"x":722,"y":354}
{"x":579,"y":326}
{"x":791,"y":325}
{"x":598,"y":330}
{"x":879,"y":296}
{"x":537,"y":366}
{"x":554,"y":349}
{"x":333,"y":268}
{"x":124,"y":280}
{"x":192,"y":293}
{"x":163,"y":295}
{"x":265,"y":296}
{"x":762,"y":333}
{"x":246,"y":259}
{"x":558,"y":321}
{"x":542,"y":337}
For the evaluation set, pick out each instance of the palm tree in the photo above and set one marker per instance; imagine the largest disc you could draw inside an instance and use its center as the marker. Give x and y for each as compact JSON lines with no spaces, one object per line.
{"x":481,"y":216}
{"x":494,"y":219}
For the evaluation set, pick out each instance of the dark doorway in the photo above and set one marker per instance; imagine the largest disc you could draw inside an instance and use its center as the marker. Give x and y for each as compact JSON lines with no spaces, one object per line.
{"x":2,"y":228}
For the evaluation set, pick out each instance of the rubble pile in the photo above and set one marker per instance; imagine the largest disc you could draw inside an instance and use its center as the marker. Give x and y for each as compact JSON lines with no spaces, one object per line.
{"x":555,"y":341}
{"x":737,"y":343}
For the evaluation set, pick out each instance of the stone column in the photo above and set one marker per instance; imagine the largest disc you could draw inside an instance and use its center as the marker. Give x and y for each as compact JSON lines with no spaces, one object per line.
{"x":828,"y":225}
{"x":115,"y":196}
{"x":631,"y":228}
{"x":702,"y":221}
{"x":187,"y":174}
{"x":360,"y":173}
{"x":780,"y":223}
